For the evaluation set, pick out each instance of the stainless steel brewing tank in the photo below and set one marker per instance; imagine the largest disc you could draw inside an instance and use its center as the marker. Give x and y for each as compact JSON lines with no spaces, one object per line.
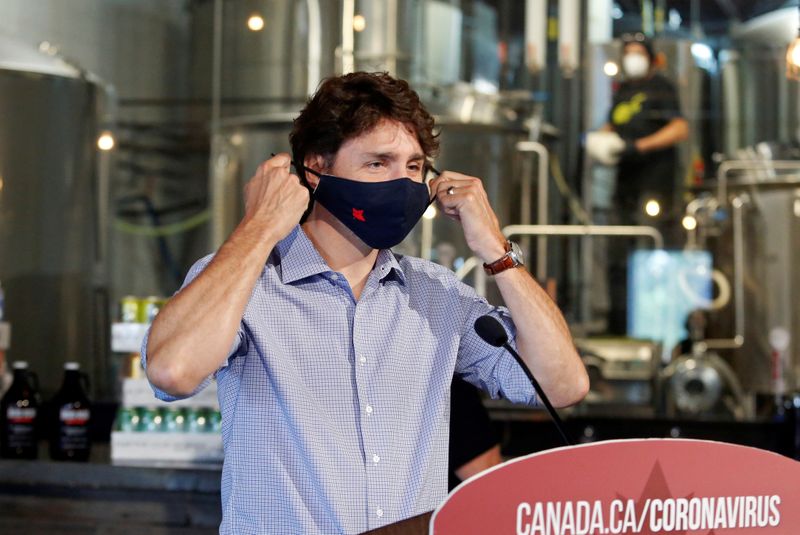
{"x":483,"y":150}
{"x":771,"y":281}
{"x":50,"y":263}
{"x":302,"y":42}
{"x":759,"y":103}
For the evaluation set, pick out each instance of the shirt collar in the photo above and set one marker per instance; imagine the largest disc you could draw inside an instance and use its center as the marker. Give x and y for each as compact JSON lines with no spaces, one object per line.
{"x":387,"y":266}
{"x":299,"y":259}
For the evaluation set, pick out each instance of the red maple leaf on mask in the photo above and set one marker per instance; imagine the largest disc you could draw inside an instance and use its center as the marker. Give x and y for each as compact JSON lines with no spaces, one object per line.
{"x":359,"y":214}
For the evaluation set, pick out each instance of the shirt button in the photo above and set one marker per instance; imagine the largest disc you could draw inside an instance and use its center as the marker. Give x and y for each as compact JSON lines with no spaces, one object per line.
{"x":379,"y":512}
{"x":376,"y":458}
{"x":369,"y":409}
{"x":362,"y":359}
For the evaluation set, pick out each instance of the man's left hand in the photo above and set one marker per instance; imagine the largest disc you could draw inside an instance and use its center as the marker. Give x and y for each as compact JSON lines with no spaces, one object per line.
{"x":463,"y":198}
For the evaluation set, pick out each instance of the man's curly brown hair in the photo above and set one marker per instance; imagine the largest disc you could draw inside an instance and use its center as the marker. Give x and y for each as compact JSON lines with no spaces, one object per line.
{"x":345,"y":107}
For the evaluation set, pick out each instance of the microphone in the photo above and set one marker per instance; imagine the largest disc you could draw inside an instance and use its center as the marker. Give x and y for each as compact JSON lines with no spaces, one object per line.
{"x":493,"y":333}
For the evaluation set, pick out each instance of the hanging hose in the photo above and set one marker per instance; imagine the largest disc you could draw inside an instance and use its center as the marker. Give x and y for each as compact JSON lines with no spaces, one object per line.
{"x":158,"y":231}
{"x":163,"y":230}
{"x":573,"y":202}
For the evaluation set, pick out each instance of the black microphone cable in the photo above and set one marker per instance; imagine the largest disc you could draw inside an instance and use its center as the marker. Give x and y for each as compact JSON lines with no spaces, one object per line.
{"x":493,"y":333}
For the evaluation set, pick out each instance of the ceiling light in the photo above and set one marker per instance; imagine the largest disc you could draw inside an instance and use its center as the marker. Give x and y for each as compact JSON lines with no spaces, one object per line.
{"x":611,"y":68}
{"x":255,"y":22}
{"x":793,"y":60}
{"x":359,"y":23}
{"x":105,"y":141}
{"x":652,"y":208}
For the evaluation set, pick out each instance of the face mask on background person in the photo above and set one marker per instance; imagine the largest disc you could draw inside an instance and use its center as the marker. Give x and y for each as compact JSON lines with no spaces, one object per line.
{"x":381,"y":214}
{"x":635,"y":66}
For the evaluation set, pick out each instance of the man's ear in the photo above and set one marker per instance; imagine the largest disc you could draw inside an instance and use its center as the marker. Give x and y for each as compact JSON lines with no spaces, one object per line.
{"x":317,"y":163}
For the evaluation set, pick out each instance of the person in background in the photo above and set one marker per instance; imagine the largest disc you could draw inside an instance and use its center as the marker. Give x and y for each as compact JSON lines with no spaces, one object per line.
{"x":333,"y":356}
{"x":644,"y":127}
{"x":696,"y":324}
{"x":474,"y":445}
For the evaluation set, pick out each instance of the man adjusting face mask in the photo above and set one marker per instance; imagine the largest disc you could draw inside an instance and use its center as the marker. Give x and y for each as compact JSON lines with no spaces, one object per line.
{"x":381,"y":214}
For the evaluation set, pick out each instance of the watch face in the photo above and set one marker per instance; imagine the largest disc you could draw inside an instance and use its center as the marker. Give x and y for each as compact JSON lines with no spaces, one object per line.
{"x":516,"y":254}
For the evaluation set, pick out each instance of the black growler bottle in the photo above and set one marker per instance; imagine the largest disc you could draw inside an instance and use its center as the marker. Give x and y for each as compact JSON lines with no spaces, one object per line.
{"x":71,"y":415}
{"x":19,"y":410}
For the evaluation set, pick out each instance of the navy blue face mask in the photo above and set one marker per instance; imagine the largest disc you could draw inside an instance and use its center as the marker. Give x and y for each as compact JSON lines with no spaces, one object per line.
{"x":381,"y":214}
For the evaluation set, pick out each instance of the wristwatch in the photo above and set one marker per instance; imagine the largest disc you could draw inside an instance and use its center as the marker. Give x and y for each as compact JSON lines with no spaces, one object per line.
{"x":511,"y":259}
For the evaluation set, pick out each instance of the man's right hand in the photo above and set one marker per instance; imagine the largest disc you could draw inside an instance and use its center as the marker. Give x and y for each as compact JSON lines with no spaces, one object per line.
{"x":275,"y":196}
{"x":192,"y":335}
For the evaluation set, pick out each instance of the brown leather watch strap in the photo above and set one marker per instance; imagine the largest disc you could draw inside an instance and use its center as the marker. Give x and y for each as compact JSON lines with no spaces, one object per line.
{"x":505,"y":262}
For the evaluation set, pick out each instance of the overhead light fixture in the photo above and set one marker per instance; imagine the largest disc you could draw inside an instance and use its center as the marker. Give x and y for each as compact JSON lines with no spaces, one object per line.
{"x":255,"y":22}
{"x":689,"y":222}
{"x":105,"y":141}
{"x":430,"y":212}
{"x":359,"y":23}
{"x":793,"y":59}
{"x":652,"y":208}
{"x":611,"y":68}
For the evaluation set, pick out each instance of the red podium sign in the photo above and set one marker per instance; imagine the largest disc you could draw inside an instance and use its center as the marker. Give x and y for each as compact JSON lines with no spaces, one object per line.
{"x":690,"y":487}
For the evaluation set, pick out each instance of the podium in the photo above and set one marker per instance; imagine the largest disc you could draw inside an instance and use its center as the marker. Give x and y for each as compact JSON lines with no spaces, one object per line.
{"x":690,"y":487}
{"x":416,"y":525}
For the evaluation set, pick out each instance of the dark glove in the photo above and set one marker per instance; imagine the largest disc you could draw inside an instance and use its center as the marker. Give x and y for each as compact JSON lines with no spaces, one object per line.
{"x":630,"y":150}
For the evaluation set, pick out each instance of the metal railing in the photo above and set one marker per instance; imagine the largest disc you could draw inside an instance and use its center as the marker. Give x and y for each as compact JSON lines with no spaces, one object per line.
{"x":542,"y":182}
{"x":726,"y":167}
{"x":628,"y":231}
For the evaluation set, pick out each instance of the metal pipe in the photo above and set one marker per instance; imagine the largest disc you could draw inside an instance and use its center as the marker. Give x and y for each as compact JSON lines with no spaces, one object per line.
{"x":692,"y":208}
{"x":391,"y":37}
{"x":217,"y":192}
{"x":747,"y":165}
{"x":570,"y":230}
{"x":348,"y":36}
{"x":468,"y":265}
{"x":426,"y":239}
{"x":535,"y":35}
{"x":542,"y":214}
{"x":107,"y":101}
{"x":569,"y":36}
{"x":480,"y":281}
{"x":314,"y":45}
{"x":588,"y":230}
{"x":738,"y":265}
{"x":738,"y":281}
{"x":525,"y":194}
{"x":647,"y":17}
{"x":790,"y":180}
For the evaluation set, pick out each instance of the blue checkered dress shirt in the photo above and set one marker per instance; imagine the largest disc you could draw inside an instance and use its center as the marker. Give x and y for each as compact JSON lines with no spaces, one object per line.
{"x":335,"y":412}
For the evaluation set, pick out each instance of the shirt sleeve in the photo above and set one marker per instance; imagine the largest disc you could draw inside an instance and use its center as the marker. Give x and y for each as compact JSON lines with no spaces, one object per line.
{"x":490,"y":368}
{"x":236,"y":346}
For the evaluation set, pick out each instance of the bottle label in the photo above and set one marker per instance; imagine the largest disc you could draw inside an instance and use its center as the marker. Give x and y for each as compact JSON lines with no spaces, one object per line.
{"x":73,"y":433}
{"x":74,"y":416}
{"x":19,"y":430}
{"x":17,"y":415}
